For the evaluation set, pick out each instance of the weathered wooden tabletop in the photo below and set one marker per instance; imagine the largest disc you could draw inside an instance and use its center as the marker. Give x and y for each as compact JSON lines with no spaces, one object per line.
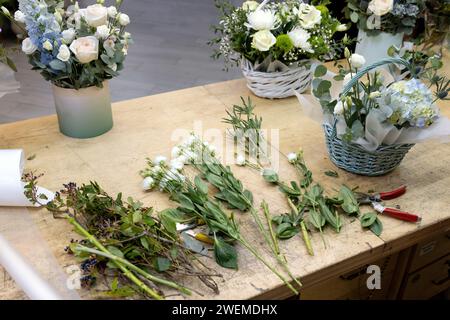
{"x":144,"y":127}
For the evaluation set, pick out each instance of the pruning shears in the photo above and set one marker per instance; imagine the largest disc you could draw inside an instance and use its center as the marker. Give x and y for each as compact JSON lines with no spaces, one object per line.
{"x":376,"y":201}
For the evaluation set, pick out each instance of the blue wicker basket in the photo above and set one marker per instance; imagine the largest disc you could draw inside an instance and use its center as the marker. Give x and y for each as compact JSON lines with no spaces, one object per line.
{"x":354,"y":158}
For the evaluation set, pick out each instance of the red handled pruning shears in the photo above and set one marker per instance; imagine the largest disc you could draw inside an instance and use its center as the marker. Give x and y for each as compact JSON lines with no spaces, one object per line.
{"x":376,"y":199}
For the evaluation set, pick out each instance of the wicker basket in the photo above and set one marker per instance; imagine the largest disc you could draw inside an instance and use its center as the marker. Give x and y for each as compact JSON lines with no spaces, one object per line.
{"x":354,"y":158}
{"x":276,"y":85}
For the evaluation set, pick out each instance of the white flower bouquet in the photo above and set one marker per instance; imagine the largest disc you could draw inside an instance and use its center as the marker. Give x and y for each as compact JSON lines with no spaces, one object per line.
{"x":370,"y":125}
{"x":72,"y":47}
{"x":278,"y":37}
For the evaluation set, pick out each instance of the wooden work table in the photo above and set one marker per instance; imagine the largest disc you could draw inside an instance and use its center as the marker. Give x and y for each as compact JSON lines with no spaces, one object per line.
{"x":144,"y":127}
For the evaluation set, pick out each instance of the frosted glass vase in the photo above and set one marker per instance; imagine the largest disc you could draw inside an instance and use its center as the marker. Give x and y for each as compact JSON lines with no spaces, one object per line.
{"x":374,"y":48}
{"x":84,"y":113}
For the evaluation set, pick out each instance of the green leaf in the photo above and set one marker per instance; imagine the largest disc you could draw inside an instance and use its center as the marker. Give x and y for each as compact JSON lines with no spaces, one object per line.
{"x":316,"y":219}
{"x":270,"y":176}
{"x":214,"y":179}
{"x":169,"y":219}
{"x":350,"y":204}
{"x":368,"y":219}
{"x":115,"y":251}
{"x":202,"y":187}
{"x":225,"y":254}
{"x":354,"y":17}
{"x":320,"y":71}
{"x":57,"y":65}
{"x":377,"y":227}
{"x":144,"y":243}
{"x":332,"y":173}
{"x":185,"y":202}
{"x":286,"y":231}
{"x":137,"y":217}
{"x":161,"y":264}
{"x":331,"y":218}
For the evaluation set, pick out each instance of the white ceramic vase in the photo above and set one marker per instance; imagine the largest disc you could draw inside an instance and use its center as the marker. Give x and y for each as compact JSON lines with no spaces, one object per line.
{"x":84,"y":113}
{"x":374,"y":48}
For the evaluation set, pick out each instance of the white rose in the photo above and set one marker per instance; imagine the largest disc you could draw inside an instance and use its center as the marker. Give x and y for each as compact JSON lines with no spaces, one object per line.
{"x":148,"y":183}
{"x":85,"y":49}
{"x":292,"y":157}
{"x":47,"y":45}
{"x":261,"y":20}
{"x":68,"y":35}
{"x":240,"y":160}
{"x":299,"y":38}
{"x":102,"y":32}
{"x":28,"y":47}
{"x":381,"y":7}
{"x":96,"y":15}
{"x":250,"y":5}
{"x":357,"y":60}
{"x":112,"y":12}
{"x":19,"y":16}
{"x":263,"y":40}
{"x":339,"y":108}
{"x":124,"y":19}
{"x":309,"y":16}
{"x":64,"y":53}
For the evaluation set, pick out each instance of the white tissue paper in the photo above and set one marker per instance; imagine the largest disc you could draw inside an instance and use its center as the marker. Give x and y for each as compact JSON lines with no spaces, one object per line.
{"x":11,"y":185}
{"x":376,"y":133}
{"x":24,"y":254}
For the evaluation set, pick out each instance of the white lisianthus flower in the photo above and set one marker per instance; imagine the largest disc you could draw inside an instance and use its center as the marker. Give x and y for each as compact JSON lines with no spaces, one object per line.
{"x":263,"y":40}
{"x":250,"y":5}
{"x":339,"y":108}
{"x":341,"y":28}
{"x":176,"y":164}
{"x":63,"y":53}
{"x":112,"y":11}
{"x":85,"y":49}
{"x":68,"y":35}
{"x":148,"y":183}
{"x":96,"y":15}
{"x":357,"y":60}
{"x":19,"y":16}
{"x":124,"y":19}
{"x":309,"y":16}
{"x":160,"y":159}
{"x":58,"y":16}
{"x":102,"y":32}
{"x":381,"y":7}
{"x":240,"y":160}
{"x":261,"y":20}
{"x":292,"y":157}
{"x":47,"y":45}
{"x":299,"y":38}
{"x":28,"y":47}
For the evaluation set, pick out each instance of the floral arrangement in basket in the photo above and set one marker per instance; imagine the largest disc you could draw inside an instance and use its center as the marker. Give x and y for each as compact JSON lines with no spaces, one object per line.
{"x":371,"y":124}
{"x":73,"y":47}
{"x":375,"y":16}
{"x":274,"y":42}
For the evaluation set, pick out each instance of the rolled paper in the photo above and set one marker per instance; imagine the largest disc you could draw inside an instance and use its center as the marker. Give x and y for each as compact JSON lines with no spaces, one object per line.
{"x":11,"y":184}
{"x":24,"y":274}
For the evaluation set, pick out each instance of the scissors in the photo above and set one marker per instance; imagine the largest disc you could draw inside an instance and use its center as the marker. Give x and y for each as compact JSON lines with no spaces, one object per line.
{"x":376,"y":199}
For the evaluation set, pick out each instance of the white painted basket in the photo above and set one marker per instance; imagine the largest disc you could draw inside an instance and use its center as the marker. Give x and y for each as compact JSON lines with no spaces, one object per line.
{"x":277,"y":85}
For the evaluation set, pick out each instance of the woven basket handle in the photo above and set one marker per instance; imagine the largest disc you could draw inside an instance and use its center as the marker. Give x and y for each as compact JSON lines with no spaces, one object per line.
{"x":368,"y":68}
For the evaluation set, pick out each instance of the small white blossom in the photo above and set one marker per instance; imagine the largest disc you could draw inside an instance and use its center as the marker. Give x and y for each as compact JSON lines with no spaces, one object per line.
{"x":148,"y":183}
{"x":176,"y":151}
{"x":124,"y":19}
{"x":160,"y":160}
{"x":240,"y":160}
{"x":357,"y":60}
{"x":19,"y":16}
{"x":292,"y":157}
{"x":112,"y":12}
{"x":176,"y":164}
{"x":47,"y":45}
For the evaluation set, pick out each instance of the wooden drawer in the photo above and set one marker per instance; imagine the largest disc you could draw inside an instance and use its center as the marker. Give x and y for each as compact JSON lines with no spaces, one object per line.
{"x":430,"y":250}
{"x":352,"y":285}
{"x":429,"y":281}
